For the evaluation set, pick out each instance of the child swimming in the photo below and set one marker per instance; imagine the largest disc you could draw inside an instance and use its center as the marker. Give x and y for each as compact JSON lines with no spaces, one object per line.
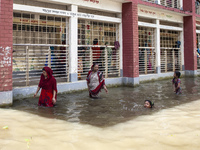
{"x":148,"y":104}
{"x":176,"y":82}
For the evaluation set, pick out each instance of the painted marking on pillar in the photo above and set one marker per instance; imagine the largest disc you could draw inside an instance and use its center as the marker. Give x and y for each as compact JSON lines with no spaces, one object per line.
{"x":6,"y":58}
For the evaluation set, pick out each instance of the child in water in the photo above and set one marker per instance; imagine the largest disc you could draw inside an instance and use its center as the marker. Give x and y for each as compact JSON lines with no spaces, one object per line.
{"x":177,"y":82}
{"x":148,"y":104}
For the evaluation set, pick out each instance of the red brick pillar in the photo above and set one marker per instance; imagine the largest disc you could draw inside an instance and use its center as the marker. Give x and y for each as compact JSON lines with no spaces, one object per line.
{"x":130,"y":43}
{"x":190,"y":56}
{"x":6,"y":42}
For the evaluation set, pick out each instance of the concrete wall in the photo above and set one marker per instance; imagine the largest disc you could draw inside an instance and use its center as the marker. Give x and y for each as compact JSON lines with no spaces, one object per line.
{"x":103,"y":5}
{"x":150,"y":77}
{"x":6,"y":98}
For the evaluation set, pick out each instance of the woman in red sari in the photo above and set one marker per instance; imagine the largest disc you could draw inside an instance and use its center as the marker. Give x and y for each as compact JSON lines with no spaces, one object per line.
{"x":95,"y":81}
{"x":49,"y":88}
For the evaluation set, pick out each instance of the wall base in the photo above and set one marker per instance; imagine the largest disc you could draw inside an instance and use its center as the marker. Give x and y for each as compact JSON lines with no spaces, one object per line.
{"x":158,"y":70}
{"x":190,"y":72}
{"x":130,"y":81}
{"x":183,"y":67}
{"x":121,"y":72}
{"x":6,"y":98}
{"x":73,"y":77}
{"x":150,"y":77}
{"x":23,"y":92}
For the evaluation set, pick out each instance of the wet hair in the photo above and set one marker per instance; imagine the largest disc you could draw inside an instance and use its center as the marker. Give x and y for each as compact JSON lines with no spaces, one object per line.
{"x":95,"y":41}
{"x":178,"y":74}
{"x":151,"y":103}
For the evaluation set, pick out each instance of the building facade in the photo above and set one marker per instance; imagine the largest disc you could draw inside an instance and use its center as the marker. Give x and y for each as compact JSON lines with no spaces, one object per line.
{"x":131,"y":40}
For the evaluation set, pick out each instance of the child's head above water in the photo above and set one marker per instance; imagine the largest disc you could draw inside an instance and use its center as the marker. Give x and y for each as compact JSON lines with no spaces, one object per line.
{"x":148,"y":104}
{"x":177,"y":74}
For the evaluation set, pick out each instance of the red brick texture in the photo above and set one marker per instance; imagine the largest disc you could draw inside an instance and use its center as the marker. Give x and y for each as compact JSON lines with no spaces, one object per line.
{"x":190,"y":43}
{"x":190,"y":36}
{"x":189,"y":5}
{"x":130,"y":40}
{"x":6,"y":42}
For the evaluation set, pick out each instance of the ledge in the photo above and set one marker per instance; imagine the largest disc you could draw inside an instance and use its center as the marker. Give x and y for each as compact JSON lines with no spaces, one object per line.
{"x":6,"y":98}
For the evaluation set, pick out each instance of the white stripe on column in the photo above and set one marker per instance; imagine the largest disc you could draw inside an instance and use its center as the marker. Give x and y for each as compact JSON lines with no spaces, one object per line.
{"x":157,"y":44}
{"x":73,"y":33}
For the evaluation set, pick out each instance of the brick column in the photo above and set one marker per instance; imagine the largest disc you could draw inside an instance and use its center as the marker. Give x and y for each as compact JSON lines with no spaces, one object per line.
{"x":6,"y":42}
{"x":130,"y":43}
{"x":190,"y":58}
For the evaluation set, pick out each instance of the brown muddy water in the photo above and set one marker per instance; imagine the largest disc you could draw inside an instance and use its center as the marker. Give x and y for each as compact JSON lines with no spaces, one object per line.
{"x":116,"y":121}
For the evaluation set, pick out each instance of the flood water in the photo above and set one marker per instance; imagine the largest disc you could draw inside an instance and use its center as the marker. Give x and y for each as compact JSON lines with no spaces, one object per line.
{"x":115,"y":121}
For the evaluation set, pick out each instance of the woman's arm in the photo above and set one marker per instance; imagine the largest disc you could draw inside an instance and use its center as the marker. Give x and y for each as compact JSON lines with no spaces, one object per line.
{"x":36,"y":91}
{"x":178,"y":86}
{"x":54,"y":97}
{"x":88,"y":86}
{"x":106,"y":90}
{"x":174,"y":89}
{"x":88,"y":80}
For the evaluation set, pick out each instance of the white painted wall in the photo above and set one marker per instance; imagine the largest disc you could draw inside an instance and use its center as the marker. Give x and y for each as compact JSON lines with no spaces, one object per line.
{"x":155,"y":13}
{"x":40,"y":4}
{"x":121,"y":46}
{"x":157,"y":43}
{"x":73,"y":34}
{"x":181,"y":4}
{"x":198,"y":31}
{"x":182,"y":47}
{"x":104,"y":5}
{"x":171,"y":28}
{"x":43,"y":10}
{"x":145,"y":24}
{"x":120,"y":39}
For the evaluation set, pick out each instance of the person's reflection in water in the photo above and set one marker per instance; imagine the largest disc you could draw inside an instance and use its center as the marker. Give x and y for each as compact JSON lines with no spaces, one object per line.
{"x":48,"y":112}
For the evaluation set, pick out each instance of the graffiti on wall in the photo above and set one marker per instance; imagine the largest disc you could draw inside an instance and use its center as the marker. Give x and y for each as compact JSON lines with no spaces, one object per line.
{"x":5,"y":60}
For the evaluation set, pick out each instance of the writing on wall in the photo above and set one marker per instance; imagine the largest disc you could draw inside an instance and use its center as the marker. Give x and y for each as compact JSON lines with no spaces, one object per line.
{"x":93,"y":1}
{"x":160,"y":15}
{"x":65,"y":13}
{"x":5,"y":58}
